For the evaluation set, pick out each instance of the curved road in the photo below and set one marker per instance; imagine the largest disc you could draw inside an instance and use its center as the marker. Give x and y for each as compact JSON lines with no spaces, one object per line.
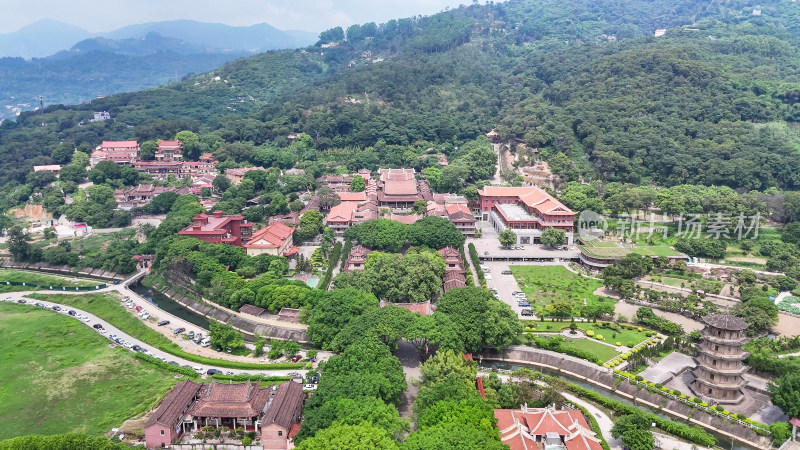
{"x":14,"y":297}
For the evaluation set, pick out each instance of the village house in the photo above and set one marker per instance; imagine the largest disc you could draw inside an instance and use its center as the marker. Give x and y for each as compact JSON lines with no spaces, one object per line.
{"x":237,"y":175}
{"x":274,"y":239}
{"x":218,"y":229}
{"x":453,"y":208}
{"x":143,"y":194}
{"x":549,"y":428}
{"x":274,"y":412}
{"x":55,"y":169}
{"x":121,"y":152}
{"x":100,"y":116}
{"x":526,"y":211}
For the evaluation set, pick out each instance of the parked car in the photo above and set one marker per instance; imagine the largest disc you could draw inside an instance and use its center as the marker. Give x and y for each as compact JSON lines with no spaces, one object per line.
{"x":97,"y":326}
{"x":21,"y":301}
{"x":297,"y":358}
{"x":309,"y":387}
{"x":293,"y":374}
{"x":163,"y":322}
{"x":173,"y":363}
{"x":205,"y":342}
{"x":506,"y":272}
{"x":71,"y":312}
{"x":136,"y":347}
{"x":213,"y":372}
{"x":139,"y":308}
{"x":128,"y":345}
{"x":191,"y":335}
{"x":179,"y":330}
{"x":527,"y":312}
{"x":198,"y":369}
{"x":230,"y":372}
{"x":198,"y":338}
{"x":145,"y":316}
{"x":56,"y":308}
{"x":524,"y":303}
{"x":86,"y":319}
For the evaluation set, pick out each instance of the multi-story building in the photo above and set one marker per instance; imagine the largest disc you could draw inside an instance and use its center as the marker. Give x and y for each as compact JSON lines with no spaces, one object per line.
{"x":526,"y":211}
{"x":121,"y":152}
{"x":357,"y":258}
{"x":453,"y":208}
{"x":179,"y":169}
{"x":169,"y":151}
{"x":219,"y":229}
{"x":237,"y":175}
{"x":399,"y":188}
{"x":720,"y":366}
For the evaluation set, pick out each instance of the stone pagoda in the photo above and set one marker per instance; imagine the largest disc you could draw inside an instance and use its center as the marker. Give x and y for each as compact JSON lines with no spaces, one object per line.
{"x":718,"y":376}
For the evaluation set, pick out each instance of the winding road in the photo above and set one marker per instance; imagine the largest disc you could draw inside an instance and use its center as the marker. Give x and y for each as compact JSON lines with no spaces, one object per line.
{"x":17,"y":297}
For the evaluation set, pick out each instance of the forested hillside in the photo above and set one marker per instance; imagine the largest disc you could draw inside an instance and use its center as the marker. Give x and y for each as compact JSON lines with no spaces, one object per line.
{"x":714,"y":101}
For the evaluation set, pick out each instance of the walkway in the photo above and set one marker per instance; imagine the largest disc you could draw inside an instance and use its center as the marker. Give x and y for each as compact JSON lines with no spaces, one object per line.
{"x":409,"y":359}
{"x":112,"y":330}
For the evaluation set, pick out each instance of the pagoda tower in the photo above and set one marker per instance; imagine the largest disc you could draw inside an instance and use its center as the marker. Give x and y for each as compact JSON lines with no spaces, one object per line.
{"x":718,"y":375}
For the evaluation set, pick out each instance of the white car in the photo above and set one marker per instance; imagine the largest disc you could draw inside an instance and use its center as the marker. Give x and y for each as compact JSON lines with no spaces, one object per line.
{"x":145,"y":316}
{"x":128,"y":344}
{"x":199,"y":370}
{"x":309,"y":387}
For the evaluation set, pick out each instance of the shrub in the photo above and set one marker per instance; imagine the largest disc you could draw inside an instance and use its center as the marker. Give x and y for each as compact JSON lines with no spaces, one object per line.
{"x":719,"y":408}
{"x":247,"y":440}
{"x":590,"y":333}
{"x":639,"y":378}
{"x":618,"y":344}
{"x":599,"y":337}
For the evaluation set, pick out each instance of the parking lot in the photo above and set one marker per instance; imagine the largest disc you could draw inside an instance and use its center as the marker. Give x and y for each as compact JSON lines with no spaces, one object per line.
{"x":506,"y":284}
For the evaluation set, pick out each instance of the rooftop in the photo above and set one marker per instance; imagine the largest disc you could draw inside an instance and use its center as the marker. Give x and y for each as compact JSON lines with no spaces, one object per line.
{"x":515,"y":212}
{"x":726,"y":322}
{"x":230,"y":400}
{"x":173,"y":405}
{"x":286,"y":406}
{"x":614,"y":251}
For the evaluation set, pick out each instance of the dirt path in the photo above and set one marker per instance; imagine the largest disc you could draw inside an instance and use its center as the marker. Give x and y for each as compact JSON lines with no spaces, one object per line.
{"x":409,"y":358}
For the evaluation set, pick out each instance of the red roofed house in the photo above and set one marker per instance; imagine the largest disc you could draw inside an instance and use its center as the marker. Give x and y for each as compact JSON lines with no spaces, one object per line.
{"x":454,"y":272}
{"x":217,"y":229}
{"x":526,"y":211}
{"x":169,"y":151}
{"x":340,"y":217}
{"x":274,"y":239}
{"x":121,"y":152}
{"x":549,"y":428}
{"x":143,"y":194}
{"x":180,"y":169}
{"x":352,"y":196}
{"x":168,"y":422}
{"x":273,"y":411}
{"x":453,"y":208}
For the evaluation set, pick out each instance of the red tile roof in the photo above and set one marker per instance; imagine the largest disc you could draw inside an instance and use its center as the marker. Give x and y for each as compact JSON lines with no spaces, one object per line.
{"x":352,"y":196}
{"x":343,"y":212}
{"x":424,"y":308}
{"x":119,"y":144}
{"x":275,"y":234}
{"x":519,"y":428}
{"x":230,"y":400}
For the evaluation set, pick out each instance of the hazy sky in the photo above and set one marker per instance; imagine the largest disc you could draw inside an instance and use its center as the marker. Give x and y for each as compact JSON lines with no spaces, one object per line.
{"x":310,"y":15}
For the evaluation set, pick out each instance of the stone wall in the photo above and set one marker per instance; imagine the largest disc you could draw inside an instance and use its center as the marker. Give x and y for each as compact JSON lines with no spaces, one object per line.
{"x":246,"y":326}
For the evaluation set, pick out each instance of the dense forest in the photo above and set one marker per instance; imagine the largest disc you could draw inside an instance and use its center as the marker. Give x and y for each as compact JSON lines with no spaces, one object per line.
{"x":712,"y":102}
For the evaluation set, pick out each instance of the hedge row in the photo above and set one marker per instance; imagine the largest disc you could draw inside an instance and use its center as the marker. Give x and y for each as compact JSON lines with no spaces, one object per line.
{"x":348,"y":245}
{"x":476,"y":262}
{"x":332,"y":261}
{"x":270,"y":380}
{"x":469,"y":278}
{"x":170,"y":367}
{"x":691,"y":433}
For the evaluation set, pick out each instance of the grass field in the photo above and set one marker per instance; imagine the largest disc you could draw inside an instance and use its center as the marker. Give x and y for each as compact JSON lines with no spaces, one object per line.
{"x":545,"y":285}
{"x":96,"y":242}
{"x":601,"y":351}
{"x":60,"y":376}
{"x":109,"y":309}
{"x":38,"y":278}
{"x":629,"y":338}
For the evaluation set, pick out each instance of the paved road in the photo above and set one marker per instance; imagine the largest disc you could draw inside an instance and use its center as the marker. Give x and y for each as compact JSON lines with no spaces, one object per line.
{"x":14,"y":297}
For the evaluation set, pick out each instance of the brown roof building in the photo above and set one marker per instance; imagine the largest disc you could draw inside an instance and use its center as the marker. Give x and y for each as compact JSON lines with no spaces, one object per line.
{"x":454,"y":274}
{"x":357,"y":258}
{"x":189,"y":406}
{"x":167,"y":424}
{"x":548,"y":428}
{"x":398,"y":188}
{"x":143,"y":194}
{"x":219,"y":229}
{"x":274,"y":239}
{"x":526,"y":211}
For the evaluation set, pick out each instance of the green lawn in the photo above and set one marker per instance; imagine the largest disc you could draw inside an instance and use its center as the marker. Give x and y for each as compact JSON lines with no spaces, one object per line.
{"x":59,"y":376}
{"x":111,"y":310}
{"x":629,"y":338}
{"x":601,"y":351}
{"x":39,"y":278}
{"x":545,"y":285}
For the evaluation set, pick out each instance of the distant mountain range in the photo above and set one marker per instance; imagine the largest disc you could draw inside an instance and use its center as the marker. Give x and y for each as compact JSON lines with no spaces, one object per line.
{"x":47,"y":37}
{"x":71,"y":65}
